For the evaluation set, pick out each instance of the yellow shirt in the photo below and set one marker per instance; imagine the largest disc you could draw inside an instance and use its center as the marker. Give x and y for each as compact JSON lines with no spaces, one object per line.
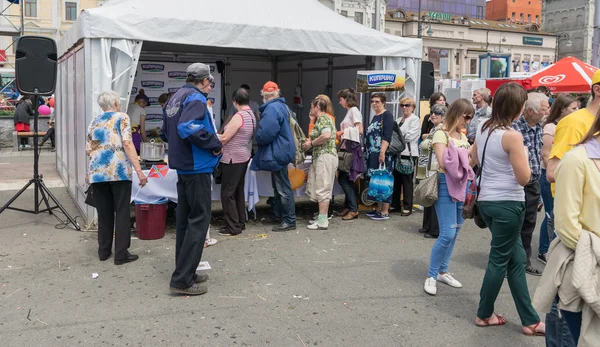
{"x":577,"y":196}
{"x":569,"y":131}
{"x":440,"y":137}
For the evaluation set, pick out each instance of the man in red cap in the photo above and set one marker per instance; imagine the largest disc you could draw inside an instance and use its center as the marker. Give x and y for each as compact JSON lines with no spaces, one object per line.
{"x":276,"y":150}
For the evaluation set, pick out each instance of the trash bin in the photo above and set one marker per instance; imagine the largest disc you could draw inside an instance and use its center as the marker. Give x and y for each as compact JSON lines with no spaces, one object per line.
{"x":151,"y":219}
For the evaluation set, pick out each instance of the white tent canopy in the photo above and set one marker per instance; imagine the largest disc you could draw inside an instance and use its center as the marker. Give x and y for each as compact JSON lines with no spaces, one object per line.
{"x":273,"y":25}
{"x":297,"y":43}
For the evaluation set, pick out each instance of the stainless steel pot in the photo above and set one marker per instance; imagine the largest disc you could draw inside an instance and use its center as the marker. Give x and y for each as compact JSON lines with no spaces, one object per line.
{"x":152,"y":151}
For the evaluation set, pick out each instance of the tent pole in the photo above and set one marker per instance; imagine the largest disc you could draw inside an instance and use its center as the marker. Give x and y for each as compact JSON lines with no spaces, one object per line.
{"x":366,"y":96}
{"x":330,"y":77}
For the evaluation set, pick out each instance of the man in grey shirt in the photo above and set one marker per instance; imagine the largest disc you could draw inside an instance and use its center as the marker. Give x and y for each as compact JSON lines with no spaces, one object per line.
{"x":482,"y":112}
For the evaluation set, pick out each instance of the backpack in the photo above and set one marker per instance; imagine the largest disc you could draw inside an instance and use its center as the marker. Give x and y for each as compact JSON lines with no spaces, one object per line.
{"x":299,"y":138}
{"x":398,"y":143}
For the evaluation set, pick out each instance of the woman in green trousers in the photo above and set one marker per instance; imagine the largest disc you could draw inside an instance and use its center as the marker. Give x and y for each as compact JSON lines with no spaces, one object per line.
{"x":499,"y":150}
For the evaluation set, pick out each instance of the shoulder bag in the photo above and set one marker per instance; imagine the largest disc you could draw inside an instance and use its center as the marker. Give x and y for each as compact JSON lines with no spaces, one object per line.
{"x":470,"y":209}
{"x":344,"y":158}
{"x":427,"y":190}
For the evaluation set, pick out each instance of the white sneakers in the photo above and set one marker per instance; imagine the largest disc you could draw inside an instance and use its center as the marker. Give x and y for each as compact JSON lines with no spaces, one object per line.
{"x":430,"y":286}
{"x":449,"y":280}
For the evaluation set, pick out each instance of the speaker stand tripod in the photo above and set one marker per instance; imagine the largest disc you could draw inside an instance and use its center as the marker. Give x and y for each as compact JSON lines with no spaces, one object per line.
{"x":39,"y":188}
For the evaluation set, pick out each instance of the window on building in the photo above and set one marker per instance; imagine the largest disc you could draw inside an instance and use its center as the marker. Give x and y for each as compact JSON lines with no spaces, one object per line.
{"x":537,"y":19}
{"x":71,"y":11}
{"x":514,"y":16}
{"x":480,"y":11}
{"x":344,"y":13}
{"x":30,"y":8}
{"x":373,"y":21}
{"x":521,"y":18}
{"x":358,"y":17}
{"x":528,"y":18}
{"x":473,"y":67}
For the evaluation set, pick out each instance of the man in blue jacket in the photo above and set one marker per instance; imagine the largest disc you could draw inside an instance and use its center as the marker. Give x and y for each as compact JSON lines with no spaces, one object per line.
{"x":276,"y":150}
{"x":194,"y":151}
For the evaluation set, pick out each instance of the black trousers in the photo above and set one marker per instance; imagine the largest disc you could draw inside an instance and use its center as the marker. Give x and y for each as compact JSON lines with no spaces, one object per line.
{"x":113,"y":199}
{"x":232,"y":196}
{"x":49,"y":135}
{"x":193,"y":220}
{"x":430,"y":221}
{"x":404,"y":185}
{"x":532,"y":199}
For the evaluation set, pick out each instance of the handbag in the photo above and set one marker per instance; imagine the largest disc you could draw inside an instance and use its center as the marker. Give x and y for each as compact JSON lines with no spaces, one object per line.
{"x":470,"y":208}
{"x":427,"y":191}
{"x":90,"y":199}
{"x":345,"y":159}
{"x":398,"y":143}
{"x":381,"y":184}
{"x":405,"y":166}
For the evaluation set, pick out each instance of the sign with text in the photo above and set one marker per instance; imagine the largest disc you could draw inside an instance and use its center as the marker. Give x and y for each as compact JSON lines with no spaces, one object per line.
{"x":533,"y":41}
{"x":380,"y":81}
{"x":444,"y":17}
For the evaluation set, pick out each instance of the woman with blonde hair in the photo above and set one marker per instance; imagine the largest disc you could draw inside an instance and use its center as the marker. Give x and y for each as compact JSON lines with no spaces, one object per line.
{"x":451,"y":192}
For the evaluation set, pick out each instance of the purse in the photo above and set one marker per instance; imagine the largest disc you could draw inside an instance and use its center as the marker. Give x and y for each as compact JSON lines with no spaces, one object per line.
{"x":427,"y":191}
{"x":405,"y":166}
{"x":470,"y":208}
{"x":345,"y":160}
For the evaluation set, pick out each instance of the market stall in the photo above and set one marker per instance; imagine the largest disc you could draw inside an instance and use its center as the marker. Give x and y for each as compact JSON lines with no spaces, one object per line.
{"x":568,"y":75}
{"x":302,"y":45}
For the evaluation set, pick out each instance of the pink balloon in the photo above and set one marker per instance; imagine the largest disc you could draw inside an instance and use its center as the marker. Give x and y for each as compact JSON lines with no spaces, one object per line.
{"x":44,"y":110}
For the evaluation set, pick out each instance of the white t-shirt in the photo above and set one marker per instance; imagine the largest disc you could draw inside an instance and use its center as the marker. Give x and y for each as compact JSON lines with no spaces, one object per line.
{"x":353,"y":116}
{"x":135,"y":113}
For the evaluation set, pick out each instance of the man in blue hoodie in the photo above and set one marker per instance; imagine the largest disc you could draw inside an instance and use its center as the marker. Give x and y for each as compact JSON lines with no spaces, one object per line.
{"x":194,"y":151}
{"x":276,"y":150}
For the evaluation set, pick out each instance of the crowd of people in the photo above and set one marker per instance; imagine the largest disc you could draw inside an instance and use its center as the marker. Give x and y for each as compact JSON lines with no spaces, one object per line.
{"x":523,"y":149}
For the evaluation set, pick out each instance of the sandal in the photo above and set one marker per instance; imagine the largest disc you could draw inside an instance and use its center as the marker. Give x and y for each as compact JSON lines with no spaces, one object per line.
{"x":486,"y":322}
{"x":532,"y":330}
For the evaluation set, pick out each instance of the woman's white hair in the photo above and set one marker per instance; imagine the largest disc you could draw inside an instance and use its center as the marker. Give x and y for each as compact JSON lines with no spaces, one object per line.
{"x":107,"y":99}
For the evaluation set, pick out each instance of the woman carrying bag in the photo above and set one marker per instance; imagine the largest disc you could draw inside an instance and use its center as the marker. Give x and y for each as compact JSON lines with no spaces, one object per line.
{"x":410,"y":126}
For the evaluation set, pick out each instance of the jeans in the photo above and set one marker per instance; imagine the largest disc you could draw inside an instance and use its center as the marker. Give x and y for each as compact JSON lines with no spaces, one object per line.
{"x":532,"y":199}
{"x":557,"y":330}
{"x":49,"y":135}
{"x":449,"y":214}
{"x":284,"y":208}
{"x":349,"y":189}
{"x":546,"y":235}
{"x":573,"y":320}
{"x":507,"y":257}
{"x":193,"y":220}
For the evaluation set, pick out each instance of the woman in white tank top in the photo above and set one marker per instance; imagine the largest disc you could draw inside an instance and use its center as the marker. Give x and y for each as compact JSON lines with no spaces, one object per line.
{"x":499,"y":150}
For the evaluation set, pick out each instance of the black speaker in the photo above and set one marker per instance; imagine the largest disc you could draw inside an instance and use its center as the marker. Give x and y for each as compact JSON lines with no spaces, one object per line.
{"x":427,"y":80}
{"x":36,"y":61}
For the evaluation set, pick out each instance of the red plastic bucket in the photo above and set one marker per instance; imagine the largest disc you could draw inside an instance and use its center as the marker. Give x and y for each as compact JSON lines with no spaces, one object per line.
{"x":150,"y":221}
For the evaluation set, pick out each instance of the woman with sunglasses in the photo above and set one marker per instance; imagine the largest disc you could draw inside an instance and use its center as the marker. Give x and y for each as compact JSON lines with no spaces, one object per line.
{"x":436,"y":98}
{"x":410,"y":125}
{"x":449,"y":207}
{"x":377,"y":141}
{"x":431,"y":229}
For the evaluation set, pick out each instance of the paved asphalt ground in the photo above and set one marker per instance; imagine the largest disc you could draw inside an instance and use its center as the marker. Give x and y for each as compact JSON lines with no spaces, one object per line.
{"x":359,"y":283}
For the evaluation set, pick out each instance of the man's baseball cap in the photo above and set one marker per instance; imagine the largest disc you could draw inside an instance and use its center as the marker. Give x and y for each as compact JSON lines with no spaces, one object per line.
{"x":200,"y":70}
{"x":270,"y":87}
{"x":596,"y":78}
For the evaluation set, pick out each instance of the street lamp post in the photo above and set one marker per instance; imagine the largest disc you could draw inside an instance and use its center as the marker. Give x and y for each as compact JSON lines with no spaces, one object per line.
{"x":559,"y":38}
{"x":502,"y":39}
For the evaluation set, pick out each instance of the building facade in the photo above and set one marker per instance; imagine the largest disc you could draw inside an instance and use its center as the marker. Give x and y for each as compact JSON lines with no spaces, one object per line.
{"x":365,"y":12}
{"x":514,"y":11}
{"x":51,"y":18}
{"x":454,"y":44}
{"x":573,"y":22}
{"x":458,"y":8}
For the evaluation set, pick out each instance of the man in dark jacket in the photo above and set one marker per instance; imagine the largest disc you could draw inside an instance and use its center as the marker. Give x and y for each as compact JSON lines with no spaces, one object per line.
{"x":276,"y":150}
{"x":194,"y":151}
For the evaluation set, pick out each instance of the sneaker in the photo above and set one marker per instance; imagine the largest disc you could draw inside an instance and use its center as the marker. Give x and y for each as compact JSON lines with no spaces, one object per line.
{"x":226,"y":232}
{"x":27,"y":146}
{"x":316,"y":226}
{"x":200,"y":278}
{"x":430,"y":286}
{"x":530,"y":270}
{"x":381,"y":216}
{"x":542,"y":258}
{"x":372,"y":214}
{"x":449,"y":280}
{"x":195,"y":289}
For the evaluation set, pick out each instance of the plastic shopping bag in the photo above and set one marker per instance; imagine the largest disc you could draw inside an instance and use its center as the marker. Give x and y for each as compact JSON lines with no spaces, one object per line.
{"x":381,"y":185}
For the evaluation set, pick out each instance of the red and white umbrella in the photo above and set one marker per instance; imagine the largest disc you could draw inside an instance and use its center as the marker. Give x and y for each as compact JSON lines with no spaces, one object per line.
{"x":568,"y":75}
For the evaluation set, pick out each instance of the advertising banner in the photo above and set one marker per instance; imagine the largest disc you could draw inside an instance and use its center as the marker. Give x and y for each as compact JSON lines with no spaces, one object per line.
{"x":158,"y":78}
{"x":380,"y":81}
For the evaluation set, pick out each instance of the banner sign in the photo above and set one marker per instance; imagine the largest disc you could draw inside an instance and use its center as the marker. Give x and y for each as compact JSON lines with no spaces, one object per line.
{"x":533,"y":41}
{"x":380,"y":81}
{"x":158,"y":78}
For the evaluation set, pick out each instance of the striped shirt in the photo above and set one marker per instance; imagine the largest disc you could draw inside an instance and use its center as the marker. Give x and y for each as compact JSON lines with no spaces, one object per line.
{"x":237,"y":150}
